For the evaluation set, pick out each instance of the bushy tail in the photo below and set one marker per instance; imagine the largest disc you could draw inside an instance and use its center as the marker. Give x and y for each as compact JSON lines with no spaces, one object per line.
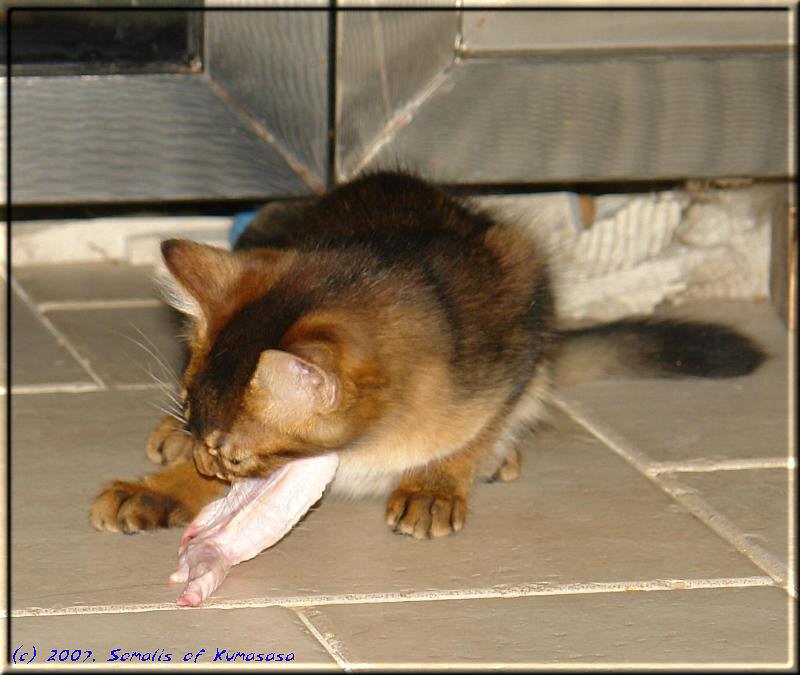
{"x":655,"y":348}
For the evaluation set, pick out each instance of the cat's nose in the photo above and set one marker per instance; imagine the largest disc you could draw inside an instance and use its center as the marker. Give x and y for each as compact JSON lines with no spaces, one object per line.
{"x":227,"y":456}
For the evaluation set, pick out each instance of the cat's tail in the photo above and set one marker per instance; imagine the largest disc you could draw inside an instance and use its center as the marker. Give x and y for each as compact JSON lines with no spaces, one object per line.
{"x":654,"y":348}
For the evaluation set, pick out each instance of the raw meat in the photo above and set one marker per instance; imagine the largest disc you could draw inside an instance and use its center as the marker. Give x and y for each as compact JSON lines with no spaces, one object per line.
{"x":255,"y":514}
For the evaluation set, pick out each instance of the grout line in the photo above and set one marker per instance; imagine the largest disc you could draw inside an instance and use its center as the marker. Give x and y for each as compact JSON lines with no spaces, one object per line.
{"x":78,"y":388}
{"x":138,"y":386}
{"x":703,"y":465}
{"x":60,"y":388}
{"x":503,"y":591}
{"x":64,"y":305}
{"x":328,"y":640}
{"x":701,"y":509}
{"x":56,"y":333}
{"x":696,"y":505}
{"x":636,"y":458}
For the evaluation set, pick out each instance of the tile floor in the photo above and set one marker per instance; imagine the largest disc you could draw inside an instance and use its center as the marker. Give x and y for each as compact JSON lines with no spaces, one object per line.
{"x":651,"y":524}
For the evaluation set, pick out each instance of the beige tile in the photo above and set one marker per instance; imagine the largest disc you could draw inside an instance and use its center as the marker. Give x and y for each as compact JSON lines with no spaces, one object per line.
{"x":739,"y":418}
{"x":175,"y":634}
{"x":578,"y":514}
{"x":37,"y":358}
{"x":86,"y":281}
{"x":756,"y":501}
{"x":732,"y":625}
{"x":116,"y":341}
{"x":64,"y":448}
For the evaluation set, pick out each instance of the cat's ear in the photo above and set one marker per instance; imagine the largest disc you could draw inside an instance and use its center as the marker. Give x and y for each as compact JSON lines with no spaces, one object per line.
{"x":296,"y":385}
{"x":202,"y":276}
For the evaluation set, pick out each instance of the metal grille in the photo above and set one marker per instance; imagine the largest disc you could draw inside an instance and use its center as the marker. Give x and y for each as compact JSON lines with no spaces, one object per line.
{"x":511,"y":100}
{"x":136,"y":138}
{"x":504,"y":120}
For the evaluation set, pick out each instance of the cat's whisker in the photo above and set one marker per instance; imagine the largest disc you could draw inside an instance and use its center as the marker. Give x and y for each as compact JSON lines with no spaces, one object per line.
{"x":173,"y":401}
{"x":161,"y":358}
{"x":156,"y":355}
{"x":177,"y":416}
{"x":167,"y":388}
{"x":175,"y":405}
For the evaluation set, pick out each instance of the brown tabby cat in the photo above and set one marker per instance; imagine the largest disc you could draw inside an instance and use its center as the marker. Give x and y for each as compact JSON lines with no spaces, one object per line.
{"x":394,"y":325}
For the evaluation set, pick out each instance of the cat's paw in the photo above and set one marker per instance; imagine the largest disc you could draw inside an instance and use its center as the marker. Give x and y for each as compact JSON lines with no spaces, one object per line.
{"x":425,"y":515}
{"x":169,"y":442}
{"x":510,"y":469}
{"x":132,"y":508}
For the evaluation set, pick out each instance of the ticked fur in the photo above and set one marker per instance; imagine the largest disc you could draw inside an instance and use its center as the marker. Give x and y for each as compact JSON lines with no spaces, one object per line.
{"x":389,"y":323}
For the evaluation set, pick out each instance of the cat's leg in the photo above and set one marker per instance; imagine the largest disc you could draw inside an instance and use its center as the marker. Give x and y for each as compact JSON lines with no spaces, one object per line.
{"x":169,"y":442}
{"x":504,"y":469}
{"x":504,"y":463}
{"x":431,"y":501}
{"x":169,"y":497}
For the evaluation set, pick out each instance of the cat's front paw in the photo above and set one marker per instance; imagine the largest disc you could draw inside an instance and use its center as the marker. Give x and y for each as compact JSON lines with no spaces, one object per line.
{"x":169,"y":442}
{"x":425,"y":515}
{"x":131,"y":508}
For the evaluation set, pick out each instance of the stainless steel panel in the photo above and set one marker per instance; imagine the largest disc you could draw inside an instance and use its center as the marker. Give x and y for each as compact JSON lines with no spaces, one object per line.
{"x":274,"y":64}
{"x":267,"y":3}
{"x":621,"y":29}
{"x":136,"y":138}
{"x":384,"y":60}
{"x":507,"y":120}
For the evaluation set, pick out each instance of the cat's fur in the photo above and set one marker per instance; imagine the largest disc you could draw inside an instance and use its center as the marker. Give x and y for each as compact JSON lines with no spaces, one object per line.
{"x":390,"y":323}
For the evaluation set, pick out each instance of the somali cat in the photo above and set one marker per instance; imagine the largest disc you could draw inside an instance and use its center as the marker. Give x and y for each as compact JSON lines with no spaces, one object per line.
{"x":388,"y":322}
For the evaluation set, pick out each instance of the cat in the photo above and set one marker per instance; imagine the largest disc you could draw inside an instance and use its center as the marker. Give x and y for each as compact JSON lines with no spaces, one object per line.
{"x":387,"y":321}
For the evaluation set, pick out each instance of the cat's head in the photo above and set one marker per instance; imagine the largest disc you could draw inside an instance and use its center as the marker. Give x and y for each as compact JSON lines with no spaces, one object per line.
{"x":273,"y":374}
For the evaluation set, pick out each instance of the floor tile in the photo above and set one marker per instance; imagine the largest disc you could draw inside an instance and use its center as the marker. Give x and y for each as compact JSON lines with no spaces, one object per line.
{"x":578,"y":514}
{"x":64,"y":448}
{"x":744,"y":417}
{"x":86,"y":281}
{"x":37,"y":358}
{"x":756,"y":501}
{"x":116,"y":341}
{"x":656,"y":627}
{"x":173,"y":635}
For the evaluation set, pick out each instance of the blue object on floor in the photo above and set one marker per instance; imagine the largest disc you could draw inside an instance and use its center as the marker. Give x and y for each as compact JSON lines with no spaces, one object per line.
{"x":240,"y":223}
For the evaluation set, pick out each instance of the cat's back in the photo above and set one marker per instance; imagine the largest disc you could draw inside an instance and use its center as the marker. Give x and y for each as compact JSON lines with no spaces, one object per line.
{"x":388,"y":212}
{"x":381,"y":209}
{"x":390,"y":240}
